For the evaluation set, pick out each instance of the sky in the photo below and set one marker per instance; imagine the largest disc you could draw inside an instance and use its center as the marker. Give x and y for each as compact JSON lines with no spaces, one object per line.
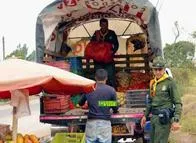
{"x":18,"y":20}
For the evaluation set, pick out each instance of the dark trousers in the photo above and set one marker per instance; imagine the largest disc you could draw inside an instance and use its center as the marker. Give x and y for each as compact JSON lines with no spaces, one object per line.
{"x":110,"y":68}
{"x":159,"y":132}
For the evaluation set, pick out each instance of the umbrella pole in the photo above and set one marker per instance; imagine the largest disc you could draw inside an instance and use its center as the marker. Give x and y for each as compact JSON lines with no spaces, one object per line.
{"x":14,"y":126}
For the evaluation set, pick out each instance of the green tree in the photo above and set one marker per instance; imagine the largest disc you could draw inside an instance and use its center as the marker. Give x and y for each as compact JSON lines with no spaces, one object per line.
{"x":20,"y":52}
{"x":179,"y":54}
{"x":194,"y":34}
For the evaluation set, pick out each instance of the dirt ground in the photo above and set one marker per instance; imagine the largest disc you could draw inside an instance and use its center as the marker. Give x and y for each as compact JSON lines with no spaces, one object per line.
{"x":186,"y":134}
{"x":181,"y":137}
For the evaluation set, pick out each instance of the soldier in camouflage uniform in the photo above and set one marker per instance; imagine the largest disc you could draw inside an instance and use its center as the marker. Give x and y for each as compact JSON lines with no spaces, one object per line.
{"x":164,"y":104}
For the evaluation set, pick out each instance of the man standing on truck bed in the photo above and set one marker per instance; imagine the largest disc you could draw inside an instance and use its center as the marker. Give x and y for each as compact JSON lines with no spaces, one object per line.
{"x":98,"y":126}
{"x":106,"y":35}
{"x":164,"y":104}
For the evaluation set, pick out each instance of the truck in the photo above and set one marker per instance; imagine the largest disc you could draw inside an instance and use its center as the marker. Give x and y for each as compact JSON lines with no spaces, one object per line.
{"x":64,"y":29}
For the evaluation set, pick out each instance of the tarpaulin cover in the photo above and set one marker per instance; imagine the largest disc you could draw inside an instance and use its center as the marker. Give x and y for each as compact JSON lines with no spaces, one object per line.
{"x":20,"y":74}
{"x":67,"y":14}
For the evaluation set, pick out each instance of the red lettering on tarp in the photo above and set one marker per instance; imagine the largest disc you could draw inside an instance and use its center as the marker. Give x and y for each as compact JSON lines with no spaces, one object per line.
{"x":70,"y":2}
{"x":80,"y":47}
{"x":96,"y":4}
{"x":126,"y":7}
{"x":69,"y":14}
{"x":60,"y":6}
{"x":115,"y":9}
{"x":140,"y":13}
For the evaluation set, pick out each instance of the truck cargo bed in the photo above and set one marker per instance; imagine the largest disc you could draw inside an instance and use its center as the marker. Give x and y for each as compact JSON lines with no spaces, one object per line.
{"x":79,"y":116}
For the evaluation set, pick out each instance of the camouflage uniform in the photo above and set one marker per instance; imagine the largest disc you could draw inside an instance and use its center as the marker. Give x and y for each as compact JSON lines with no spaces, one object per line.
{"x":166,"y":97}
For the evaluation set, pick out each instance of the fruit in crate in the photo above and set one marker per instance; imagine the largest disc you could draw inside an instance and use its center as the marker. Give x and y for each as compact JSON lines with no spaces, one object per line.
{"x":123,"y":79}
{"x":119,"y":129}
{"x":20,"y":138}
{"x":8,"y":136}
{"x":23,"y":139}
{"x":27,"y":139}
{"x":121,"y":98}
{"x":9,"y":142}
{"x":33,"y":138}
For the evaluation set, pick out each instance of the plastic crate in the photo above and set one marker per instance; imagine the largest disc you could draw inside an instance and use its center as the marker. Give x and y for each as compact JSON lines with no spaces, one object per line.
{"x":4,"y":129}
{"x":76,"y":65}
{"x":136,"y":98}
{"x":56,"y":103}
{"x":69,"y":138}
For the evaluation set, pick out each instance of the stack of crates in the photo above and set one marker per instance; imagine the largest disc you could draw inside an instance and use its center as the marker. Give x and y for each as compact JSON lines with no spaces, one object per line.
{"x":56,"y":103}
{"x":136,"y":98}
{"x":4,"y":129}
{"x":75,"y":65}
{"x":69,"y":138}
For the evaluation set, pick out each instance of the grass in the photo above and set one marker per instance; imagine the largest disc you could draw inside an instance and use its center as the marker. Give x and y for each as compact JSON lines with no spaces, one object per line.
{"x":188,"y":121}
{"x":189,"y":115}
{"x":186,"y":80}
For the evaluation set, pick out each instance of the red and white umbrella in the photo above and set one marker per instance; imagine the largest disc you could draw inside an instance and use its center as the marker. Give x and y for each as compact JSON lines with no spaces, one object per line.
{"x":21,"y":75}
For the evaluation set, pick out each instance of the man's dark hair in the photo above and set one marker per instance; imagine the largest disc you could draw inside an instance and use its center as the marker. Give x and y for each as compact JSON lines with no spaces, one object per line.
{"x":101,"y":75}
{"x":103,"y":20}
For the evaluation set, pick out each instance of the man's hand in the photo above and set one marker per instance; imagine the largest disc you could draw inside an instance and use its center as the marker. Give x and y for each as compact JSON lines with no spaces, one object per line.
{"x":175,"y":126}
{"x":143,"y":121}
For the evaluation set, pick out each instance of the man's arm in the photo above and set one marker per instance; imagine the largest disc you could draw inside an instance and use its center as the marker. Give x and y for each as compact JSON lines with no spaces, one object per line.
{"x":148,"y":106}
{"x":114,"y":108}
{"x":147,"y":111}
{"x":82,"y":100}
{"x":94,"y":37}
{"x":176,"y":97}
{"x":115,"y":42}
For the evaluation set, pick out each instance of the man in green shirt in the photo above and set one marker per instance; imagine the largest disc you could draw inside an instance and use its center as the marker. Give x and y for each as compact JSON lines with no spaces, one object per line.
{"x":164,"y":104}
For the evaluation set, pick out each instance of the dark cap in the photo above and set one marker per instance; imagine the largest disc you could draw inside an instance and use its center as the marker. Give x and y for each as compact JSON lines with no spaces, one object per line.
{"x":158,"y":62}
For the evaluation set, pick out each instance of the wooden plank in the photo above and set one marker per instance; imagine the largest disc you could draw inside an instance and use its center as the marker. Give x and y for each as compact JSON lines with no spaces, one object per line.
{"x":130,"y":62}
{"x":119,"y":62}
{"x":130,"y":56}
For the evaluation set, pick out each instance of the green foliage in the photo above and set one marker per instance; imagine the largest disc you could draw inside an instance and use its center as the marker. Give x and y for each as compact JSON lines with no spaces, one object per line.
{"x":194,"y":34}
{"x":184,"y":77}
{"x":20,"y":52}
{"x":179,"y":54}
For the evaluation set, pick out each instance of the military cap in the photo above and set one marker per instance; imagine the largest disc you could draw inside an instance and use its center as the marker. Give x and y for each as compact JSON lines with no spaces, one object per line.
{"x":158,"y":62}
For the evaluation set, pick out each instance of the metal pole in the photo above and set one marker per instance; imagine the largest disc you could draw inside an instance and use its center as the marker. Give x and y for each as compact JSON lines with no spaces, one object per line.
{"x":14,"y":125}
{"x":3,"y":40}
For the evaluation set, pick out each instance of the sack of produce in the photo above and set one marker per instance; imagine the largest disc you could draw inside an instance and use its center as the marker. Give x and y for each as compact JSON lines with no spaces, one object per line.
{"x":123,"y":80}
{"x":99,"y":51}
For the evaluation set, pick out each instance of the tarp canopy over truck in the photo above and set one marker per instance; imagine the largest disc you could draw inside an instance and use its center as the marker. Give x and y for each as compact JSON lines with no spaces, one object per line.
{"x":79,"y":18}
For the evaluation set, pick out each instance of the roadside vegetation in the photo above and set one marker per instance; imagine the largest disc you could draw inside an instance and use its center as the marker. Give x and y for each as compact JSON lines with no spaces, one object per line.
{"x":184,"y":73}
